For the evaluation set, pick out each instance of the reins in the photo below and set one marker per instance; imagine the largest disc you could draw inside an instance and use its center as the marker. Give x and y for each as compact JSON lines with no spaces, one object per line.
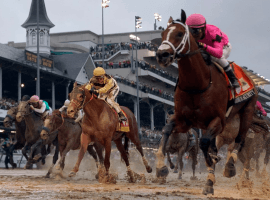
{"x":48,"y":130}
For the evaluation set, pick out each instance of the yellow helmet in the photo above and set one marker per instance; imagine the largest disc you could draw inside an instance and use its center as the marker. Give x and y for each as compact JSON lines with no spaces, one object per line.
{"x":99,"y":71}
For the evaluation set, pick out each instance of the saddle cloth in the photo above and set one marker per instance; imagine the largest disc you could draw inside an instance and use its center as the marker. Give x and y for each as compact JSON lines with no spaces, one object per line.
{"x":122,"y":126}
{"x":247,"y":87}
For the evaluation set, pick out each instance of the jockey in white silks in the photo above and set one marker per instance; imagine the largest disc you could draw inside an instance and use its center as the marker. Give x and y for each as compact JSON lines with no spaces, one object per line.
{"x":79,"y":113}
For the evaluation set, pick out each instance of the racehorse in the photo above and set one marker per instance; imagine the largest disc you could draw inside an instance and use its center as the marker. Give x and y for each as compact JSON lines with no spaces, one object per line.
{"x":179,"y":143}
{"x":68,"y":134}
{"x":100,"y":125}
{"x":34,"y":124}
{"x":19,"y":126}
{"x":201,"y":100}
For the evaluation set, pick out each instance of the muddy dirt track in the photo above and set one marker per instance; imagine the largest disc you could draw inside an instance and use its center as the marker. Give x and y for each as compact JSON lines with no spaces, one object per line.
{"x":31,"y":184}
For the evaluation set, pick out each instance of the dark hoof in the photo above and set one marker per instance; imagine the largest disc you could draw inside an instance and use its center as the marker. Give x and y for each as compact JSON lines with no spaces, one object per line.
{"x":230,"y":170}
{"x":14,"y":165}
{"x":149,"y":169}
{"x":172,"y":166}
{"x":180,"y":177}
{"x":97,"y":176}
{"x":208,"y":190}
{"x":162,"y":172}
{"x":175,"y":171}
{"x":47,"y":176}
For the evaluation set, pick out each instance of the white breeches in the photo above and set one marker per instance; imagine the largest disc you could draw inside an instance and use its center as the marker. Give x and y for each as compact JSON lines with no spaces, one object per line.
{"x":223,"y":60}
{"x":110,"y":97}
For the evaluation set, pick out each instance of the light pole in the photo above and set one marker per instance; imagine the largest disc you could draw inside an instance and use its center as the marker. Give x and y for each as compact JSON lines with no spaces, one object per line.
{"x":157,"y":17}
{"x":104,"y":4}
{"x":137,"y":25}
{"x":38,"y":71}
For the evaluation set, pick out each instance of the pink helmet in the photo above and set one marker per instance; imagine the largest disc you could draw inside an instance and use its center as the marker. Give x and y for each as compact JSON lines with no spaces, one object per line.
{"x":34,"y":99}
{"x":196,"y":21}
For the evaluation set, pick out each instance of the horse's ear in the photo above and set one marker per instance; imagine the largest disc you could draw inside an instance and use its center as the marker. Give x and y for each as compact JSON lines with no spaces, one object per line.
{"x":170,"y":20}
{"x":183,"y":16}
{"x":75,"y":84}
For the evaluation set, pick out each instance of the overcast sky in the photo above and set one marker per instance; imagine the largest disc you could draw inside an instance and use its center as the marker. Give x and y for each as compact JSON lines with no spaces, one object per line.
{"x":246,"y":22}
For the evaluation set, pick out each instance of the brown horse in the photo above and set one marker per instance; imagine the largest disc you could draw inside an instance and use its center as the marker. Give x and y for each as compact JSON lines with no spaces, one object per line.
{"x":100,"y":125}
{"x":68,"y":134}
{"x":201,"y":99}
{"x":34,"y":125}
{"x":179,"y":143}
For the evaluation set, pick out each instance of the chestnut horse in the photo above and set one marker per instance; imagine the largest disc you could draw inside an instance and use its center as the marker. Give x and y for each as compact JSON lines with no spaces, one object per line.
{"x":100,"y":125}
{"x":68,"y":134}
{"x":201,"y":100}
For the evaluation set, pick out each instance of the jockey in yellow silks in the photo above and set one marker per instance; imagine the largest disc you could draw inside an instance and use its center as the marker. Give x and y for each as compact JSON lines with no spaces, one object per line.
{"x":106,"y":88}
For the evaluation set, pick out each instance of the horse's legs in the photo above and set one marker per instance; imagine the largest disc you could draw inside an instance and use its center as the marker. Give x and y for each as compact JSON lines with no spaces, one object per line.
{"x":55,"y":158}
{"x":85,"y":140}
{"x":245,"y":121}
{"x":108,"y":147}
{"x":193,"y":155}
{"x":99,"y":150}
{"x":170,"y":161}
{"x":93,"y":153}
{"x":136,"y":141}
{"x":24,"y":150}
{"x":209,"y":140}
{"x":267,"y":153}
{"x":124,"y":154}
{"x":181,"y":152}
{"x":249,"y":148}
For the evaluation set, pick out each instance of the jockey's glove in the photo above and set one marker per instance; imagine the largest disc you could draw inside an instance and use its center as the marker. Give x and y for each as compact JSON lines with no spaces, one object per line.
{"x":32,"y":107}
{"x":95,"y":92}
{"x":202,"y":45}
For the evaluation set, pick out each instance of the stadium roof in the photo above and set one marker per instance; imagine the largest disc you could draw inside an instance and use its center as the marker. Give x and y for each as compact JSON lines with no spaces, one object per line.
{"x":257,"y":78}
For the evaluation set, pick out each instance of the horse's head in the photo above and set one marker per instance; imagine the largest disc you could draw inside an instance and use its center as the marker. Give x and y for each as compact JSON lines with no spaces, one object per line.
{"x":174,"y":41}
{"x":77,"y":97}
{"x":49,"y":124}
{"x":23,"y":110}
{"x":10,"y":117}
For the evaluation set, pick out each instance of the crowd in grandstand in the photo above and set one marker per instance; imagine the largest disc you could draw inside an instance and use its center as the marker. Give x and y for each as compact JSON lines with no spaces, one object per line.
{"x":145,"y":88}
{"x":111,"y":49}
{"x":7,"y":103}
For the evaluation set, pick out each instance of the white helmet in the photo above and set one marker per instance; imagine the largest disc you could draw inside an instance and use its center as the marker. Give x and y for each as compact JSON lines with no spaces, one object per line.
{"x":67,"y":102}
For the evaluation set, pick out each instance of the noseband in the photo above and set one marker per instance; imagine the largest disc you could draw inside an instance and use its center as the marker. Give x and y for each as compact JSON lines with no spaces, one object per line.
{"x":177,"y":50}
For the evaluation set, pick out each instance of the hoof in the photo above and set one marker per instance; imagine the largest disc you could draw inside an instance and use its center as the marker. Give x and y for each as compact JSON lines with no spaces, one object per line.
{"x":47,"y":175}
{"x":180,"y":177}
{"x":175,"y":171}
{"x":162,"y":172}
{"x":172,"y":166}
{"x":208,"y":190}
{"x":149,"y":169}
{"x":37,"y":157}
{"x":193,"y":178}
{"x":72,"y":173}
{"x":97,"y":176}
{"x":230,"y":170}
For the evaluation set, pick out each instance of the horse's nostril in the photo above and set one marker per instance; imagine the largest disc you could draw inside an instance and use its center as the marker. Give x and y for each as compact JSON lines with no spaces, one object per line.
{"x":165,"y":54}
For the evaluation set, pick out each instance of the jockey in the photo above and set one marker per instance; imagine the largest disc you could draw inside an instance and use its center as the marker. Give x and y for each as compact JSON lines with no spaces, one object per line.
{"x":106,"y":88}
{"x":40,"y":106}
{"x":215,"y":42}
{"x":260,"y":108}
{"x":64,"y":108}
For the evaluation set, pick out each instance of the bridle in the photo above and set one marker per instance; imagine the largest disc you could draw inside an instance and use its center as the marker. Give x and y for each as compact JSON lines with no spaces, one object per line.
{"x":177,"y":50}
{"x":81,"y":104}
{"x":48,"y":130}
{"x":25,"y":111}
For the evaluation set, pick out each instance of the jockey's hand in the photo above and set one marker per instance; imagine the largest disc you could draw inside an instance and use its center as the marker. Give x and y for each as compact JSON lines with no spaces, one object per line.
{"x":95,"y":92}
{"x":202,"y":45}
{"x":32,"y":107}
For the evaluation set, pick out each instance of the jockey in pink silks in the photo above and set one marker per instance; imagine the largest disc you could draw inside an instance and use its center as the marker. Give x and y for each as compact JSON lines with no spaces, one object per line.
{"x":260,"y":108}
{"x":215,"y":42}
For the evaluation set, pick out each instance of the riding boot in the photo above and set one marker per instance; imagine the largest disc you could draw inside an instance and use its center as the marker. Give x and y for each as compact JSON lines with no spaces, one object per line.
{"x":231,"y":76}
{"x":122,"y":117}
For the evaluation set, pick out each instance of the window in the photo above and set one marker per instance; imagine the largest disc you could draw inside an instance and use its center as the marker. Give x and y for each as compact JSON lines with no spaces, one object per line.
{"x":41,"y":38}
{"x":33,"y":38}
